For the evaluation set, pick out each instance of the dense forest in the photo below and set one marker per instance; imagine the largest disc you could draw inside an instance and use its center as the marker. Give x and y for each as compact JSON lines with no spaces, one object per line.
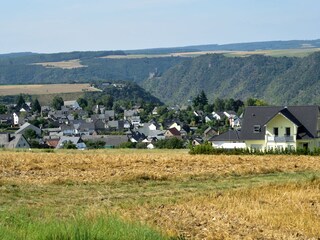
{"x":280,"y":80}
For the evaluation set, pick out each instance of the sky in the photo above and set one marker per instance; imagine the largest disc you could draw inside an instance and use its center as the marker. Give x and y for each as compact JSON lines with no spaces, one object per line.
{"x":47,"y":26}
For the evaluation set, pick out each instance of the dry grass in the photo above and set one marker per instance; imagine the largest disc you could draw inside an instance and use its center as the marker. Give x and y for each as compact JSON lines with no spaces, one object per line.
{"x":71,"y":64}
{"x":124,"y":165}
{"x":45,"y":89}
{"x":198,"y":197}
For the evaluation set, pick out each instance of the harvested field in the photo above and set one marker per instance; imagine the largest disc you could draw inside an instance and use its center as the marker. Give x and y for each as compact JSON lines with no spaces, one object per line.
{"x":71,"y":64}
{"x":301,"y":52}
{"x":191,"y":196}
{"x":45,"y":89}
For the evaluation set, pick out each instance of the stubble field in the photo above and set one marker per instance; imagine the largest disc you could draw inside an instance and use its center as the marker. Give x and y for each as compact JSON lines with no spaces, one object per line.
{"x":45,"y":89}
{"x":174,"y":193}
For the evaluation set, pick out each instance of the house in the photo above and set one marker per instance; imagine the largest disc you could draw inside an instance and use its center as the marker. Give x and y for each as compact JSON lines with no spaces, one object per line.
{"x":72,"y":104}
{"x":197,"y":141}
{"x":228,"y":140}
{"x":155,"y":111}
{"x":100,"y":125}
{"x":136,"y":137}
{"x":234,"y":120}
{"x":292,"y":127}
{"x":150,"y":130}
{"x":68,"y":129}
{"x":128,"y":114}
{"x":52,"y":143}
{"x":16,"y":119}
{"x":27,"y":126}
{"x":135,"y":121}
{"x":111,"y":141}
{"x":172,"y":132}
{"x":198,"y":113}
{"x":77,"y":141}
{"x":115,"y":125}
{"x":6,"y":119}
{"x":218,"y":115}
{"x":8,"y":140}
{"x":210,"y":132}
{"x":45,"y":110}
{"x":150,"y":146}
{"x":109,"y":114}
{"x":84,"y":128}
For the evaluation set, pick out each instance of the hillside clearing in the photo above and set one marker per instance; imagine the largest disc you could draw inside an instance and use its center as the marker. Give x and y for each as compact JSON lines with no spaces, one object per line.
{"x":7,"y":90}
{"x":71,"y":64}
{"x":196,"y":197}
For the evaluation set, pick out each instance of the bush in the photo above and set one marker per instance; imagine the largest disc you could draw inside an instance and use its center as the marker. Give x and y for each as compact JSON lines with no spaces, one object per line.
{"x":141,"y":145}
{"x":171,"y":143}
{"x":95,"y":144}
{"x":69,"y":145}
{"x":208,"y":149}
{"x":128,"y":145}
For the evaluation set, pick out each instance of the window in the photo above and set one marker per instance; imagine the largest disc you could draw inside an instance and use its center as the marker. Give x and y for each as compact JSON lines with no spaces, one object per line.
{"x":256,"y":128}
{"x":288,"y":133}
{"x":276,"y":131}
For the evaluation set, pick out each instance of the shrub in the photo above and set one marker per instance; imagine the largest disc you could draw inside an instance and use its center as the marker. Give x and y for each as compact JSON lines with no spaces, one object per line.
{"x":208,"y":149}
{"x":127,"y":145}
{"x":171,"y":143}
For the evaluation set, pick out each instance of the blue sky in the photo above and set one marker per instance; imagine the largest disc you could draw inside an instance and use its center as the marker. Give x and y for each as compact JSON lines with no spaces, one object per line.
{"x":78,"y":25}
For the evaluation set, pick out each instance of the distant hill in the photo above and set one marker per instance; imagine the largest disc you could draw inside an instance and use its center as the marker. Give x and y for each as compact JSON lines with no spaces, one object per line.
{"x":176,"y":79}
{"x":14,"y":55}
{"x":279,"y":80}
{"x":28,"y":69}
{"x":250,"y":46}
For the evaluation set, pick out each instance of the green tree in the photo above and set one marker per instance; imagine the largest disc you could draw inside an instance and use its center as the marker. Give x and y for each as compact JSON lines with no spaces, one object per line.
{"x":95,"y":144}
{"x":218,"y":104}
{"x":83,"y":103}
{"x":30,"y":134}
{"x":171,"y":143}
{"x":255,"y":102}
{"x":69,"y":145}
{"x":57,"y":103}
{"x":230,"y":104}
{"x":200,"y":101}
{"x":20,"y":102}
{"x":3,"y":109}
{"x":36,"y":107}
{"x":203,"y":99}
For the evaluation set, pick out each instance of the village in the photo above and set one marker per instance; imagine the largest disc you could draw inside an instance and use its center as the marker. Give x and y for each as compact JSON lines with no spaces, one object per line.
{"x":262,"y":128}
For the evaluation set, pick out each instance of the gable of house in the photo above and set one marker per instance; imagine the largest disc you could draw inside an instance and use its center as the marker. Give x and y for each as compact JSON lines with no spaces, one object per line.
{"x":284,"y":127}
{"x":9,"y":140}
{"x":27,"y":126}
{"x":172,"y":132}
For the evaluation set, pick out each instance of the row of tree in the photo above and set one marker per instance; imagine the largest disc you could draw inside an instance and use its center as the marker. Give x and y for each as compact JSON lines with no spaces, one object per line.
{"x":200,"y":102}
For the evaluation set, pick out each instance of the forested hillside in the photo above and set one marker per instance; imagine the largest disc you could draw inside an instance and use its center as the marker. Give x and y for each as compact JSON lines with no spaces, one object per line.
{"x":20,"y":68}
{"x":277,"y":80}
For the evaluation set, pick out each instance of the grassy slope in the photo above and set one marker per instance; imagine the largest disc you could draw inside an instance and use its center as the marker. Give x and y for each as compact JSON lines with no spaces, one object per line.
{"x":197,"y":197}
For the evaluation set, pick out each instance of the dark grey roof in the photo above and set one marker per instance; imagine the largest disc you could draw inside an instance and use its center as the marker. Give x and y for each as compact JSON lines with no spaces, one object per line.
{"x":110,"y":140}
{"x":231,"y":135}
{"x":305,"y":117}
